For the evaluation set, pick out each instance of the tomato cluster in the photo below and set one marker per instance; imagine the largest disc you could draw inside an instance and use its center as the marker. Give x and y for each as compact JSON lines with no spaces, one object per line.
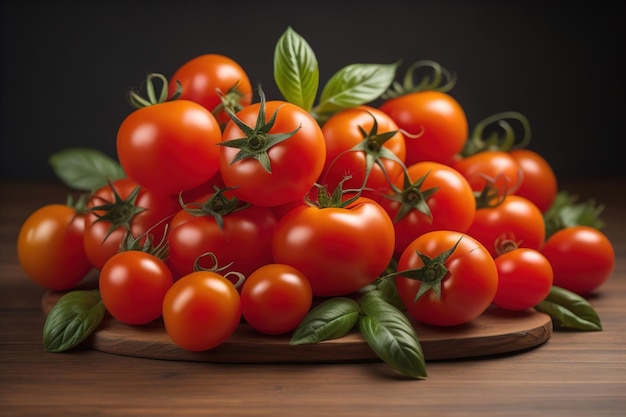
{"x":233,"y":210}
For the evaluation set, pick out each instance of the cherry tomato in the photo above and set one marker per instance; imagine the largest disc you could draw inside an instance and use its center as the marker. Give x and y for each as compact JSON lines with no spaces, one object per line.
{"x":582,"y":257}
{"x":201,"y":310}
{"x":50,"y":247}
{"x":457,"y":293}
{"x":437,"y":117}
{"x":203,"y":76}
{"x":539,"y":183}
{"x":275,"y":298}
{"x":169,"y":147}
{"x":491,"y":167}
{"x":133,"y":284}
{"x":339,"y":249}
{"x":525,"y":278}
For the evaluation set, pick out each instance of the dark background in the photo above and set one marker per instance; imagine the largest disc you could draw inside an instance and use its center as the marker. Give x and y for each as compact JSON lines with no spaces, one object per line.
{"x":66,"y":66}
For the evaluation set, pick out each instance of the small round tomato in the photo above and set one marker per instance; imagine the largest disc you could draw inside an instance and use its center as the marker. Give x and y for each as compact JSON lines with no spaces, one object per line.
{"x":524,"y":279}
{"x":491,"y":167}
{"x":455,"y":282}
{"x":201,"y":310}
{"x":50,"y":247}
{"x":539,"y":183}
{"x":203,"y":76}
{"x":275,"y":298}
{"x":133,"y":284}
{"x":582,"y":257}
{"x":437,"y":118}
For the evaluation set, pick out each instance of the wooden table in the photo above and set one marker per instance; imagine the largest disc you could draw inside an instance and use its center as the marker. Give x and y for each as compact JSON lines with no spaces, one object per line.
{"x":572,"y":374}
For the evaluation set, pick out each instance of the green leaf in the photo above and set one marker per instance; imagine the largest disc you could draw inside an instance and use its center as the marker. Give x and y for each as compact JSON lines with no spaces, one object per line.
{"x":296,"y":71}
{"x":567,"y":211}
{"x":331,"y":319}
{"x":569,"y":310}
{"x":391,"y":336}
{"x":354,"y":85}
{"x":85,"y":169}
{"x":74,"y":317}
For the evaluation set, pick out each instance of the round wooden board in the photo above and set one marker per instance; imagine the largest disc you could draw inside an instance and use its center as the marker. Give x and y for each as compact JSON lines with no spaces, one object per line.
{"x":495,"y":332}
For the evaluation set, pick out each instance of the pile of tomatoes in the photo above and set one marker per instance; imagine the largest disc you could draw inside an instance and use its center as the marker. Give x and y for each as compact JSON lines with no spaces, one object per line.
{"x":227,"y":207}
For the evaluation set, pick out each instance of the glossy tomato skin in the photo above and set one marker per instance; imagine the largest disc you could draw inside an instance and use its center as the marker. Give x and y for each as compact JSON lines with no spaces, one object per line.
{"x":169,"y":147}
{"x":201,"y":310}
{"x":201,"y":77}
{"x":468,"y":288}
{"x":539,"y":183}
{"x":525,"y":278}
{"x":438,"y":118}
{"x":491,"y":166}
{"x":50,"y":247}
{"x":342,"y":132}
{"x":339,"y":250}
{"x":516,"y":218}
{"x":296,"y":163}
{"x":275,"y":298}
{"x":154,"y":212}
{"x":452,"y":205}
{"x":582,"y":257}
{"x":132,"y":285}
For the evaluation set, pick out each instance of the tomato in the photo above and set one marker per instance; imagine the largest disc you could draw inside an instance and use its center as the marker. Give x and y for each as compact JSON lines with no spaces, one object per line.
{"x":457,"y":289}
{"x":201,"y":310}
{"x":539,"y":183}
{"x":169,"y":147}
{"x":203,"y":76}
{"x":515,"y":218}
{"x":133,"y":284}
{"x":373,"y":132}
{"x":491,"y":167}
{"x":292,"y":146}
{"x":450,"y":202}
{"x":525,"y":278}
{"x":438,"y":119}
{"x":582,"y":257}
{"x":275,"y":298}
{"x":50,"y":247}
{"x":121,"y":206}
{"x":339,"y":249}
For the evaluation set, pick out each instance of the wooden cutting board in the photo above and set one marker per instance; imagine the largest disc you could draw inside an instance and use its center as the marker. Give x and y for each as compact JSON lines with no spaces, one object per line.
{"x":496,"y":331}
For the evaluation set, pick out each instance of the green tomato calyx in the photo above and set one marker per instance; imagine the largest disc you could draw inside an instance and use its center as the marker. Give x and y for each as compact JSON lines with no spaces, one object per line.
{"x":138,"y":102}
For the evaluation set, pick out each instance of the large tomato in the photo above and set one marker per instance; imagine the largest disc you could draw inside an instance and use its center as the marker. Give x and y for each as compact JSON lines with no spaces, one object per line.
{"x":539,"y":183}
{"x":273,"y":154}
{"x":359,"y":140}
{"x":205,"y":78}
{"x":339,"y":249}
{"x":450,"y":278}
{"x":436,"y":117}
{"x":50,"y":247}
{"x":494,"y":168}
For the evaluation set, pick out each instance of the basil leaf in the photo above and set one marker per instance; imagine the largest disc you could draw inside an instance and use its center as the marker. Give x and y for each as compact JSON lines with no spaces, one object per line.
{"x":85,"y":169}
{"x":391,"y":336}
{"x":74,"y":317}
{"x":387,"y":291}
{"x":331,"y":319}
{"x":296,"y":71}
{"x":569,"y":310}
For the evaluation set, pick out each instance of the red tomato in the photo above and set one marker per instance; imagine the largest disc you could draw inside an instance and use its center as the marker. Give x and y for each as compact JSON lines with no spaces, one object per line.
{"x":132,"y":285}
{"x":447,"y":194}
{"x":339,"y":250}
{"x":437,"y":116}
{"x":203,"y":76}
{"x":515,"y":218}
{"x":524,"y":279}
{"x":275,"y":298}
{"x":468,"y":280}
{"x":493,"y":167}
{"x":294,"y":163}
{"x":50,"y":247}
{"x":110,"y":215}
{"x":169,"y":147}
{"x":201,"y":310}
{"x":582,"y":257}
{"x":539,"y":183}
{"x":345,"y":130}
